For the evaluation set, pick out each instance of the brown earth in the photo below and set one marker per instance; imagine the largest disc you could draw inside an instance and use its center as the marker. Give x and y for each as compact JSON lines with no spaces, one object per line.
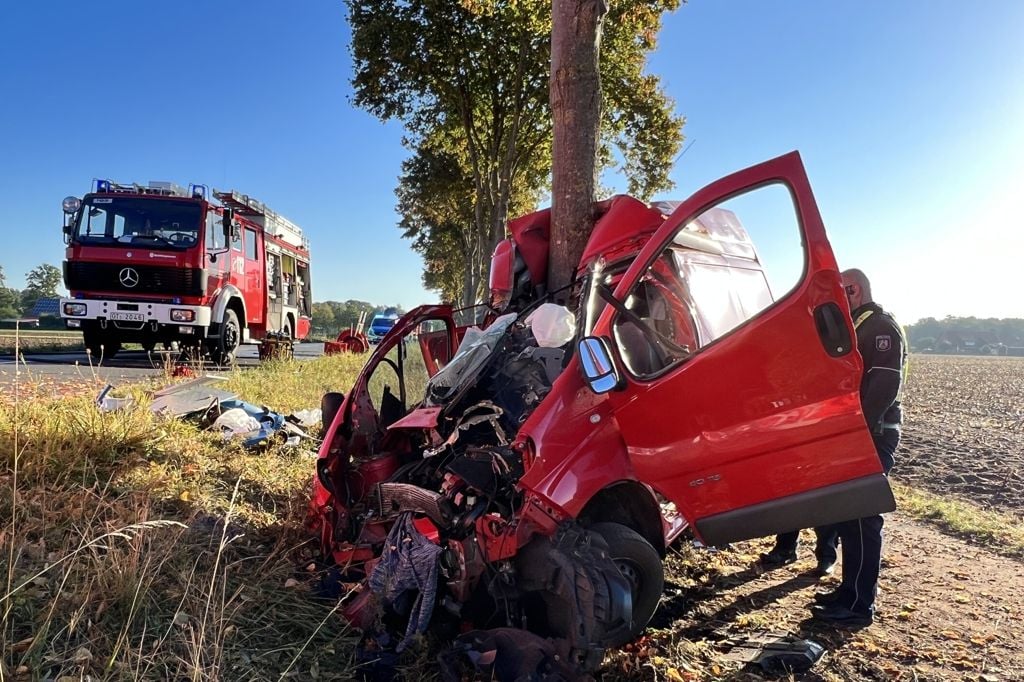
{"x":947,"y":609}
{"x":964,"y":432}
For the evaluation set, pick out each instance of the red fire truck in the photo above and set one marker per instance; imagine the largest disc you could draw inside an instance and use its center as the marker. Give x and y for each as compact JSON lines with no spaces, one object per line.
{"x":159,"y":264}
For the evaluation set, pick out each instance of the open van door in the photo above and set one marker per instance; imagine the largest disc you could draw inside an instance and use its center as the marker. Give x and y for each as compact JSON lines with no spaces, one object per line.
{"x":737,"y":398}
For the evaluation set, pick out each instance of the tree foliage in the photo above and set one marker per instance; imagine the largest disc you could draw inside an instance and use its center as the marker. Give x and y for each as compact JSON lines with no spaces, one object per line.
{"x":965,"y":334}
{"x":330,"y":317}
{"x":41,"y":281}
{"x":469,"y":80}
{"x":10,"y":303}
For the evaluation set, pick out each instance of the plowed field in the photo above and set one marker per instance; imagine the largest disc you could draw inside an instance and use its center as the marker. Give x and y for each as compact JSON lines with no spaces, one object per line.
{"x":964,"y":429}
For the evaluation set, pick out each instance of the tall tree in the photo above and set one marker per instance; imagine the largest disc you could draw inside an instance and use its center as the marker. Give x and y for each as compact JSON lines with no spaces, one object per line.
{"x":10,"y":299}
{"x":41,"y":281}
{"x":576,"y":112}
{"x":470,"y":78}
{"x":436,"y":202}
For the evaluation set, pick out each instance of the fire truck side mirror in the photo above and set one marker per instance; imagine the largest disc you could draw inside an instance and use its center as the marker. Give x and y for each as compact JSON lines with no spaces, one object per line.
{"x":228,"y":222}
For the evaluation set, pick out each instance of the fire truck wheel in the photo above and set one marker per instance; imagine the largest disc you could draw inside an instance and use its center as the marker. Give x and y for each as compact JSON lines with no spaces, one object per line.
{"x":100,"y":346}
{"x":224,"y":347}
{"x":640,"y":565}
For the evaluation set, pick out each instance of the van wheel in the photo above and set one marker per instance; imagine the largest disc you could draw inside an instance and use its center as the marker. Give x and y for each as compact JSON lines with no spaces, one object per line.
{"x":224,"y":347}
{"x":640,"y":565}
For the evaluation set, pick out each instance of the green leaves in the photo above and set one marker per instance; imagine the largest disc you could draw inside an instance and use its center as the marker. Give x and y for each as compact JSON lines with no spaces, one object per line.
{"x":469,"y":81}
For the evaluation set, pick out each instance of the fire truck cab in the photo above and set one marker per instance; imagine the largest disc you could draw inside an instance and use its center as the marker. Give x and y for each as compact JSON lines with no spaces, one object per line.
{"x":159,"y":264}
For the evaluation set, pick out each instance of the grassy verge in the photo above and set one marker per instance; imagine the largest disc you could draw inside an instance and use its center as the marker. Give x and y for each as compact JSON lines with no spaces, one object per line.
{"x":999,"y":532}
{"x":49,"y":343}
{"x":138,"y":547}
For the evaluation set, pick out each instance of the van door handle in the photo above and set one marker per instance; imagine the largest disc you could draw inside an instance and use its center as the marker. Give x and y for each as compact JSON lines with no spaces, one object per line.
{"x":832,"y":329}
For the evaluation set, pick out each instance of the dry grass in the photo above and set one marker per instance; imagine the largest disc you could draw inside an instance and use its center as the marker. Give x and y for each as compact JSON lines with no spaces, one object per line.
{"x":138,"y":547}
{"x":998,"y":532}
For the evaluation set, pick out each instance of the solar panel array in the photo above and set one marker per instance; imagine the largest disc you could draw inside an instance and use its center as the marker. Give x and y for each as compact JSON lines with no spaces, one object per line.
{"x":45,"y":306}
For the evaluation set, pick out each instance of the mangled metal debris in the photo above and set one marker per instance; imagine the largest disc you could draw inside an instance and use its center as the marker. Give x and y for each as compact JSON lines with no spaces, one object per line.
{"x":108,"y":403}
{"x":190,"y":397}
{"x":775,"y":653}
{"x":223,"y":412}
{"x":508,"y":654}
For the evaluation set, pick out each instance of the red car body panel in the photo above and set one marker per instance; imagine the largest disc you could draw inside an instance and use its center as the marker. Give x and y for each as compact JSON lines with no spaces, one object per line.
{"x":774,"y":414}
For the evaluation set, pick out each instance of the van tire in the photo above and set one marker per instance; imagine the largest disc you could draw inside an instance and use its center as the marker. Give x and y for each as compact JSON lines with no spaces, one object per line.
{"x":640,"y":564}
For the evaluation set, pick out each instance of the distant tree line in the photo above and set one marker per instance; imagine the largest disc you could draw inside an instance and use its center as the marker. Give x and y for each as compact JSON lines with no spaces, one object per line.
{"x":330,"y":317}
{"x":42,"y":281}
{"x":973,"y":335}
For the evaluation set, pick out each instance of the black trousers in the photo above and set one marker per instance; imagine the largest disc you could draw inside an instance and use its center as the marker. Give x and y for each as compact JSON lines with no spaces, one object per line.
{"x":824,"y":550}
{"x":862,"y":542}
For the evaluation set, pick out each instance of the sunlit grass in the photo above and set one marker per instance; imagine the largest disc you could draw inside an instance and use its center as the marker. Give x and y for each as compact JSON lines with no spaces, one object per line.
{"x":996,"y":531}
{"x":143,"y":547}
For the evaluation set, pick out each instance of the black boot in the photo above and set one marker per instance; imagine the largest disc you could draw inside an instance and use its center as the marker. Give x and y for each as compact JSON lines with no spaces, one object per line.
{"x":778,"y":557}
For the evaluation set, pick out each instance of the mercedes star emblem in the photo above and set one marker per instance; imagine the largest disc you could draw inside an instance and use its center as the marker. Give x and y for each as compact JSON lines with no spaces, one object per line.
{"x":129,"y":277}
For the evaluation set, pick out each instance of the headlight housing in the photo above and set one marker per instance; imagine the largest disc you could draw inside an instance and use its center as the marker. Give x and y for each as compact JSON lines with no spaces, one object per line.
{"x":181,"y":315}
{"x":75,"y":309}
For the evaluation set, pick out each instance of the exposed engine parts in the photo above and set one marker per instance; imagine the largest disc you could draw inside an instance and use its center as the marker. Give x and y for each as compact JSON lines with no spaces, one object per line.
{"x":433,"y":522}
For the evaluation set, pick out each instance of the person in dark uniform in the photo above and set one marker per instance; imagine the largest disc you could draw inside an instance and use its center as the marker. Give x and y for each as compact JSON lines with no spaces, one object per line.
{"x":883,"y":347}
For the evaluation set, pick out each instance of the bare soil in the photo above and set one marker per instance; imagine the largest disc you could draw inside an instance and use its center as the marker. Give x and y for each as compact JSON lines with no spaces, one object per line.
{"x":964,"y":432}
{"x":946,"y":611}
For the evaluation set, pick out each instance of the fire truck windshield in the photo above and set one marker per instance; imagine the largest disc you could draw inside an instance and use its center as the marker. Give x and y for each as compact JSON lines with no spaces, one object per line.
{"x":154,"y":223}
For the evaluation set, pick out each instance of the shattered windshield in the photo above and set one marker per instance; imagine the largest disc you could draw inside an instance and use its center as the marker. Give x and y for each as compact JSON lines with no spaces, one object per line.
{"x":475,"y":349}
{"x":154,"y":223}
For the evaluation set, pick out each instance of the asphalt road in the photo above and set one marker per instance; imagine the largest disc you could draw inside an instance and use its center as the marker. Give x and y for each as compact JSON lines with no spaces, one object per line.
{"x":126,"y":365}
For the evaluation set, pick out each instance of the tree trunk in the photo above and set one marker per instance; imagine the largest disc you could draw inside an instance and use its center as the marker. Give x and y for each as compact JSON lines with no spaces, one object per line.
{"x":576,"y":111}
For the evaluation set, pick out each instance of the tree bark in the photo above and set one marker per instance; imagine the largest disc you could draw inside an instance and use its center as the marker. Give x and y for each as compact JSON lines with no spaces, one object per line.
{"x":576,"y":111}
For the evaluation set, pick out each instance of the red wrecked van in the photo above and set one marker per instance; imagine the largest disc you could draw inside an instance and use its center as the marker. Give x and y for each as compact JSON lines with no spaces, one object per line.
{"x":531,"y":474}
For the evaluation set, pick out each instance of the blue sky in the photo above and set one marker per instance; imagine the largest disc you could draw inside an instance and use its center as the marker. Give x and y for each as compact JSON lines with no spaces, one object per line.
{"x":908,"y":116}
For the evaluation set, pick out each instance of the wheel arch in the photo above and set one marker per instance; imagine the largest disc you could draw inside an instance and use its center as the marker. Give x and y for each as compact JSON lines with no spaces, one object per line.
{"x":229,"y":297}
{"x":630,"y":504}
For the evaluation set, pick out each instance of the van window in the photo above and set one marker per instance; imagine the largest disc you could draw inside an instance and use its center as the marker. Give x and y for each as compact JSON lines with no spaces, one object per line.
{"x":710,"y":279}
{"x":658,"y":329}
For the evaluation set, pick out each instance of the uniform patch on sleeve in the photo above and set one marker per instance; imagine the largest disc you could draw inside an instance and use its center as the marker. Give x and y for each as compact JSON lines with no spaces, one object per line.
{"x":883,"y":342}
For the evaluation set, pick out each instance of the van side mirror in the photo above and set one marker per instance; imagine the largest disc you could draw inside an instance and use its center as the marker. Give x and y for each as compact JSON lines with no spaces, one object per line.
{"x":599,"y":370}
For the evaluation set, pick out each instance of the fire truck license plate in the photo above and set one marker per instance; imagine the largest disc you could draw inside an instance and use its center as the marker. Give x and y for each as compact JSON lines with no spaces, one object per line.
{"x":128,"y":317}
